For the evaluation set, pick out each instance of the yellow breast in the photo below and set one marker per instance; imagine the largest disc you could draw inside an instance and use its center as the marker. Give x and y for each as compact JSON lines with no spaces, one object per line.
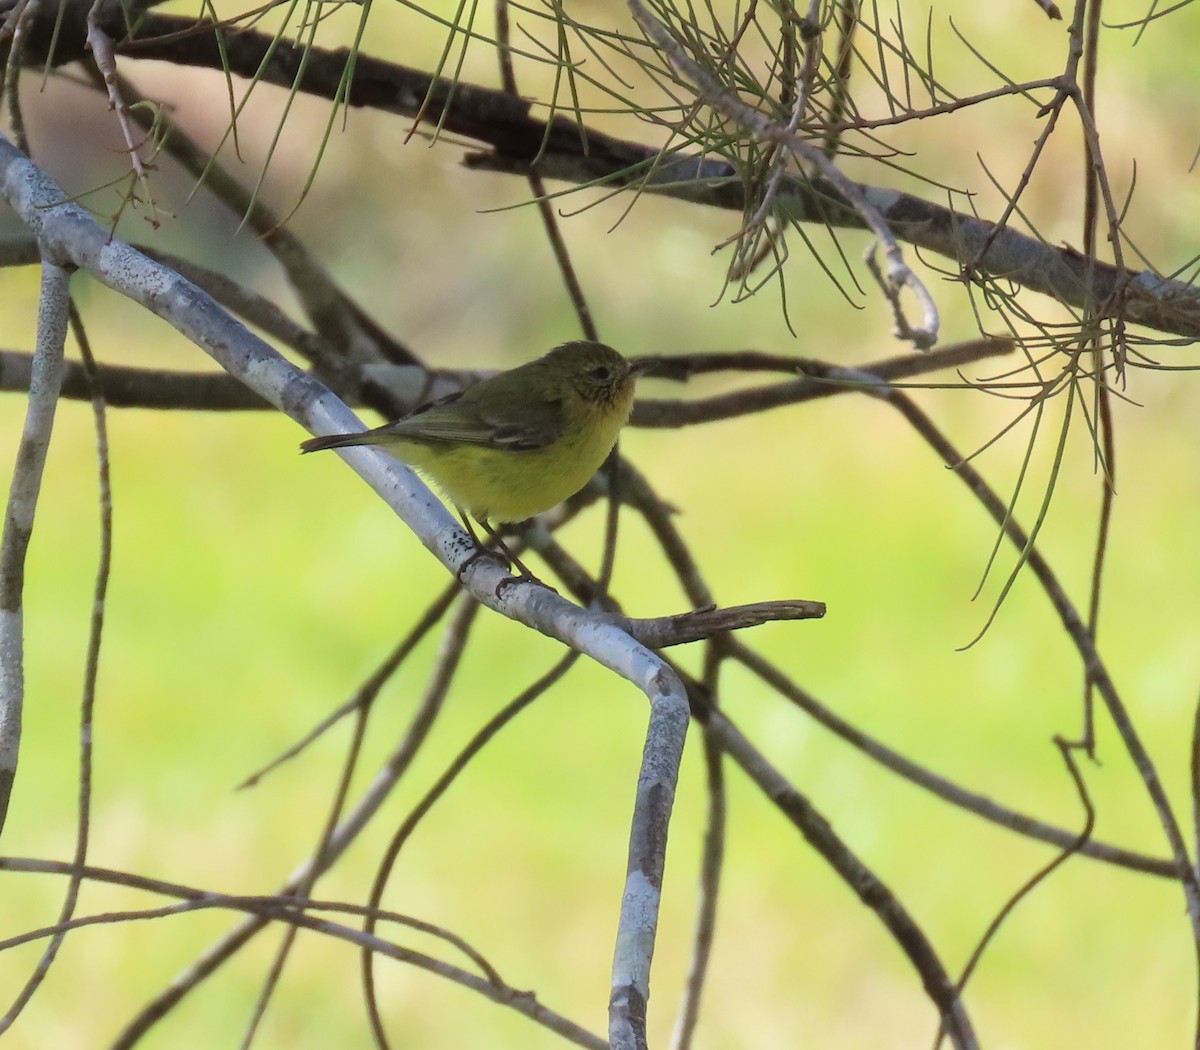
{"x":500,"y":485}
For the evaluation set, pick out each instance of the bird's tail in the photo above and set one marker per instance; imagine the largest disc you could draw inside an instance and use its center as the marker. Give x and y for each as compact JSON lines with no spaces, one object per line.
{"x":316,"y":444}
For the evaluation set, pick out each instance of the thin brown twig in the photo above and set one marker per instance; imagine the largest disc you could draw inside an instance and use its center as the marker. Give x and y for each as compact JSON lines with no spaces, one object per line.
{"x":101,"y":46}
{"x":574,"y":289}
{"x":339,"y":321}
{"x":871,"y":890}
{"x":361,"y":704}
{"x":711,"y":863}
{"x":1038,"y":877}
{"x":1105,"y":420}
{"x":820,"y":380}
{"x":1081,"y":639}
{"x":388,"y":862}
{"x":19,"y":21}
{"x":971,"y":802}
{"x":347,"y":831}
{"x":899,"y":274}
{"x":660,"y":632}
{"x":365,"y":696}
{"x":261,"y":911}
{"x":848,"y":22}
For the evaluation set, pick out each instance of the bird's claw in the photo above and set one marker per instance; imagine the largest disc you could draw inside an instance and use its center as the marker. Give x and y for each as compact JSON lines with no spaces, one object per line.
{"x":479,"y":552}
{"x":524,"y":576}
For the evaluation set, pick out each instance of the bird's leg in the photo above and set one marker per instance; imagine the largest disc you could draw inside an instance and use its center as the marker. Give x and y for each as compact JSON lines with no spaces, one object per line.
{"x":513,"y":560}
{"x":481,"y":549}
{"x":523,"y":574}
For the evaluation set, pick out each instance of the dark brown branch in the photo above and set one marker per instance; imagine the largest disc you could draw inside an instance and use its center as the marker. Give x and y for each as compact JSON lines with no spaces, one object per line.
{"x":949,"y":791}
{"x":521,"y":144}
{"x":659,"y":632}
{"x":957,"y":355}
{"x":409,"y":385}
{"x":820,"y":380}
{"x":139,"y":387}
{"x":869,"y":888}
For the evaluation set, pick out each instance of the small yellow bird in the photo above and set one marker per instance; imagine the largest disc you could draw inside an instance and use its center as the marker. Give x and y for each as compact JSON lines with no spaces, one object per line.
{"x":520,"y":442}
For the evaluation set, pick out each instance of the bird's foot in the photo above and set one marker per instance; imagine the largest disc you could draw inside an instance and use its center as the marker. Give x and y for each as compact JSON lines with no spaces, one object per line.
{"x":522,"y":576}
{"x":471,"y":559}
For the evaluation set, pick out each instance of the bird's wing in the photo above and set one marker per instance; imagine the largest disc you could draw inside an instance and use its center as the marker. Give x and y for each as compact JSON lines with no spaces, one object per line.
{"x":459,"y":420}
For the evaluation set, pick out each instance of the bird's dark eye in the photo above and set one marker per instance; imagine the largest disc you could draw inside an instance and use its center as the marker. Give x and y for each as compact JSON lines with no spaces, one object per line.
{"x":602,"y":373}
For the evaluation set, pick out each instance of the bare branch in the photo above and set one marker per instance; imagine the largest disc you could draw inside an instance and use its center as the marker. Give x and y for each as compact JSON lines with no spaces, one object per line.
{"x":1073,"y":623}
{"x":45,"y":379}
{"x":899,"y":274}
{"x":821,"y":380}
{"x":520,"y":143}
{"x":139,"y":387}
{"x":66,"y":229}
{"x":659,"y":632}
{"x":710,"y":879}
{"x":870,"y":889}
{"x":294,"y":912}
{"x":100,"y":44}
{"x":638,"y":926}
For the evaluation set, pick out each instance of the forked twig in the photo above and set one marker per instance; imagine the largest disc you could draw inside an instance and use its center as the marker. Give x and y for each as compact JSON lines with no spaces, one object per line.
{"x":899,"y":274}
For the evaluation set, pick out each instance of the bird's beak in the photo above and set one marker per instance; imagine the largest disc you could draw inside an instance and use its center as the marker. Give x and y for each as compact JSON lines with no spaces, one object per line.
{"x":644,"y":365}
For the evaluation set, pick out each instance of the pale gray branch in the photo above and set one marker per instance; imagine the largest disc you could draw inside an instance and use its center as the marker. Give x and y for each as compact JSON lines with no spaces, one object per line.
{"x":638,"y":925}
{"x":45,"y":379}
{"x":69,"y":234}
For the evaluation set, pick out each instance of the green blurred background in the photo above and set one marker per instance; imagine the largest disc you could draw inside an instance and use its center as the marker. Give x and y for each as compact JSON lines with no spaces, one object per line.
{"x":253,"y":590}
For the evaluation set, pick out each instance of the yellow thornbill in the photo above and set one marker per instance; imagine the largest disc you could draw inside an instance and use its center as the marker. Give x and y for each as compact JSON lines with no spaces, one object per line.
{"x":519,"y":443}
